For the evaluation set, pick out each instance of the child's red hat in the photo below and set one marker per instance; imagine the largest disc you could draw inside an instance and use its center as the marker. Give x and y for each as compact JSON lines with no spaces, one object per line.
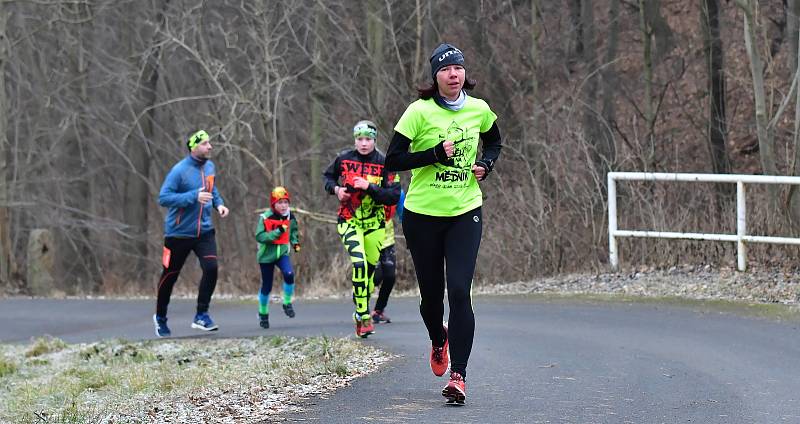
{"x":278,"y":193}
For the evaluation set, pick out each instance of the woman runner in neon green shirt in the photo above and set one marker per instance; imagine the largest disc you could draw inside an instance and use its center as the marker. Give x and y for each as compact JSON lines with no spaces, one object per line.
{"x":437,"y":139}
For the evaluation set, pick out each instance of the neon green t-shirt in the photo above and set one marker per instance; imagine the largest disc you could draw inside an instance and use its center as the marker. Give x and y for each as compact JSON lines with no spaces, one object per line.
{"x":442,"y":190}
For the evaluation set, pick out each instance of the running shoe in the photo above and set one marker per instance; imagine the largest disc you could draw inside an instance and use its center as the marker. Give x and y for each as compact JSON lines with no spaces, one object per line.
{"x":364,"y":326}
{"x":288,"y":309}
{"x":161,"y":326}
{"x":379,"y":317}
{"x":204,"y":322}
{"x":456,"y":389}
{"x":440,"y":358}
{"x":263,"y":320}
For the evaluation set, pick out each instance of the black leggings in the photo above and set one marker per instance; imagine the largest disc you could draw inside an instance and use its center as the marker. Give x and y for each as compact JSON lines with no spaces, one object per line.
{"x":452,"y":241}
{"x":385,"y":276}
{"x":176,"y":250}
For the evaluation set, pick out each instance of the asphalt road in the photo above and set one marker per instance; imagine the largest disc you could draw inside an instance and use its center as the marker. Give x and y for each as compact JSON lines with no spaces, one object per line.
{"x":534,"y":360}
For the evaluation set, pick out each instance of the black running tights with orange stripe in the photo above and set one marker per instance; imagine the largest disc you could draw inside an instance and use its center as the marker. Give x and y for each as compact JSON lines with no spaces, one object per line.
{"x":205,"y":247}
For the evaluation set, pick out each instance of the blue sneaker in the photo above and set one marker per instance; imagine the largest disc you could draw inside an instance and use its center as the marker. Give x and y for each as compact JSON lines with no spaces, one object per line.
{"x":161,"y":326}
{"x":204,"y":322}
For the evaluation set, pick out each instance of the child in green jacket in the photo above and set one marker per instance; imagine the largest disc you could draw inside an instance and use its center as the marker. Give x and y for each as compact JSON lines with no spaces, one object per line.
{"x":275,"y":231}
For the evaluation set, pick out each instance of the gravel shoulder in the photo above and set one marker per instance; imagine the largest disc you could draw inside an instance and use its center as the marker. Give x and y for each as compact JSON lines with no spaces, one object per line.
{"x":769,"y":286}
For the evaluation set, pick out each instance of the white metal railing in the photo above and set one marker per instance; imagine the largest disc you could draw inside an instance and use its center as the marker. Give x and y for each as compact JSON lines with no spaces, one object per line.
{"x":741,"y":237}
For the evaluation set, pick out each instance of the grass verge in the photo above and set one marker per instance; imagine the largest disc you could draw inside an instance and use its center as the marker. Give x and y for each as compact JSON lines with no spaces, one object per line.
{"x":174,"y":380}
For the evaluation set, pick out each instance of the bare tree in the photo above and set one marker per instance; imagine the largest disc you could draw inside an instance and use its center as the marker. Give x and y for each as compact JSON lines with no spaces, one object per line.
{"x":375,"y":47}
{"x":765,"y":131}
{"x":590,"y":85}
{"x":6,"y":253}
{"x":593,"y":134}
{"x":608,"y":145}
{"x":792,"y":27}
{"x":532,"y":130}
{"x":534,"y":52}
{"x":576,"y":27}
{"x":137,"y":189}
{"x":76,"y":194}
{"x":317,"y":94}
{"x":793,"y":198}
{"x":649,"y":103}
{"x":658,"y":27}
{"x":717,"y":123}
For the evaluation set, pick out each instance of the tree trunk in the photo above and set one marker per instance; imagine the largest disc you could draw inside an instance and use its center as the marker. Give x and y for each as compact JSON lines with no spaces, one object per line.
{"x":430,"y":39}
{"x":375,"y":37}
{"x":138,"y":152}
{"x":649,"y":108}
{"x":763,"y":130}
{"x":6,"y":255}
{"x":416,"y":71}
{"x":78,"y":256}
{"x":533,"y":128}
{"x":317,"y":108}
{"x":717,"y":123}
{"x":266,"y":95}
{"x":792,"y":27}
{"x":591,"y":132}
{"x":576,"y":27}
{"x":794,"y":191}
{"x":534,"y":52}
{"x":658,"y":28}
{"x":608,"y":148}
{"x":482,"y":46}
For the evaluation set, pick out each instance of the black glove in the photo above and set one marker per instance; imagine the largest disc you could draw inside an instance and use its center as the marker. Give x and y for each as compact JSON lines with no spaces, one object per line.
{"x":441,"y":155}
{"x":486,"y":164}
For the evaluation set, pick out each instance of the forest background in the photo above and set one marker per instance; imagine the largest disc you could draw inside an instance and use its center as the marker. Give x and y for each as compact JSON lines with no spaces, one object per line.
{"x":97,"y":97}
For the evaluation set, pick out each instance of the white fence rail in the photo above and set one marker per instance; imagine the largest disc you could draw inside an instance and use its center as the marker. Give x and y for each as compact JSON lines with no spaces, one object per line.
{"x":741,"y":237}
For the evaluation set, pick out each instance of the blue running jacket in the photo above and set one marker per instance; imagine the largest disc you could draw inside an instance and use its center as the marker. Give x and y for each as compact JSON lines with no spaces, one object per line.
{"x":186,"y":217}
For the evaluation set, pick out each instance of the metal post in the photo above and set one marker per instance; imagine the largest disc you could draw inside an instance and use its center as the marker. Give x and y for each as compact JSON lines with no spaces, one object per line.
{"x":613,"y":258}
{"x":741,"y":226}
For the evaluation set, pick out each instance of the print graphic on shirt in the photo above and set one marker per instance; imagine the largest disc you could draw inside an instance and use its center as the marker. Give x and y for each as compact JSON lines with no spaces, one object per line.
{"x":361,"y":206}
{"x":464,"y":153}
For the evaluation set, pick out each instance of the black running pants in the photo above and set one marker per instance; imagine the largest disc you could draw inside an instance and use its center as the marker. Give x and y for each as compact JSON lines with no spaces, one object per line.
{"x":176,"y":250}
{"x":385,"y":276}
{"x":444,"y":251}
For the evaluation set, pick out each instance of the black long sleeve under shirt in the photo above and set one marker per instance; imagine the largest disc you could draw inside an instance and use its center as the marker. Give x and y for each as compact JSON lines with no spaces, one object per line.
{"x":398,"y":158}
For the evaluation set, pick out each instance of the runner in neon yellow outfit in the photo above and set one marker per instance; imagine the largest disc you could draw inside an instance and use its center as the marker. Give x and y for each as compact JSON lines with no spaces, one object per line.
{"x":437,"y":139}
{"x":363,"y":186}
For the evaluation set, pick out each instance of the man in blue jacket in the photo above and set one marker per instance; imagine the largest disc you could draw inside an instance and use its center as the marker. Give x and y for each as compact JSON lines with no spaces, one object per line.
{"x":190,"y":195}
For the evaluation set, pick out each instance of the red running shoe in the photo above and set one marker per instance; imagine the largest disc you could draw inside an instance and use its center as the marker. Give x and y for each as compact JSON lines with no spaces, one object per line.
{"x":379,"y":317}
{"x":456,"y":389}
{"x":364,"y":326}
{"x":440,"y":357}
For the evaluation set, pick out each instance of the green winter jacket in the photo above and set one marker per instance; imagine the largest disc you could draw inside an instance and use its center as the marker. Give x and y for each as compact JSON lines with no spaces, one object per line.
{"x":273,"y":242}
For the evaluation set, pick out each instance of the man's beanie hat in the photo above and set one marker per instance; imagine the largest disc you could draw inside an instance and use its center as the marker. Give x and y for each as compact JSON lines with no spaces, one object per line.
{"x":445,"y":55}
